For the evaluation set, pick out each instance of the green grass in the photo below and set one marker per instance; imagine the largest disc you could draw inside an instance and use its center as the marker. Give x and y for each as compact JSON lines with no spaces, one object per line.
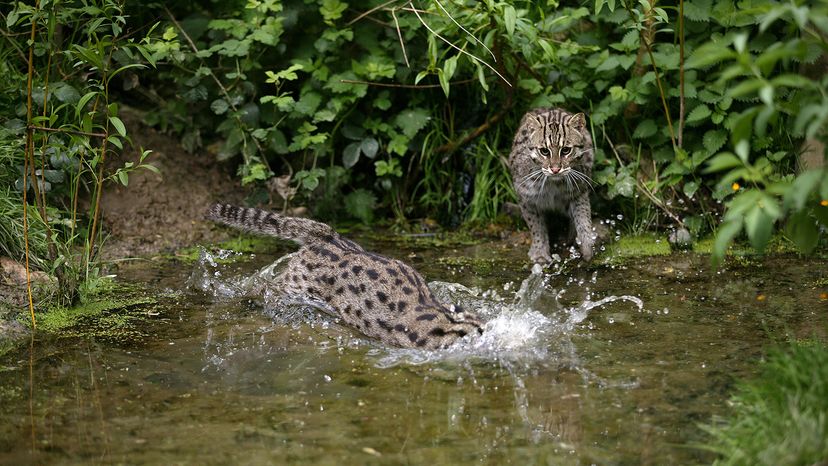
{"x":780,"y":418}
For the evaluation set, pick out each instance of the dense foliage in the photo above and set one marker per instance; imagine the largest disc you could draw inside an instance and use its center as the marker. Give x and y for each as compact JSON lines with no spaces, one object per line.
{"x":413,"y":105}
{"x":699,"y":109}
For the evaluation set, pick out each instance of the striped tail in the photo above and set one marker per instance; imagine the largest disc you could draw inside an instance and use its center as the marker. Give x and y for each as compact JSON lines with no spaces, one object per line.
{"x":262,"y":222}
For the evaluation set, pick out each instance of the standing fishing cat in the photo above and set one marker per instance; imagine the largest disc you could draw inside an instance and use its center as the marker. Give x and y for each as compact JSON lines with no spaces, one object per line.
{"x":382,"y":297}
{"x":551,"y":166}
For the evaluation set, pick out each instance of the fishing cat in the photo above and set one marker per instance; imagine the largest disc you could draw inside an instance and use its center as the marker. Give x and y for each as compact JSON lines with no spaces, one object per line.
{"x":551,"y":165}
{"x":382,"y":297}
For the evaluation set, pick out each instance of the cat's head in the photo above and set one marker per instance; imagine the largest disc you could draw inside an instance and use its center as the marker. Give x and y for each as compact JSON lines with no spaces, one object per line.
{"x":558,"y":141}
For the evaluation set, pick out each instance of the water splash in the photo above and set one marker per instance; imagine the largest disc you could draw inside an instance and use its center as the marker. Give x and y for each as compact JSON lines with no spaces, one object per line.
{"x":531,"y":325}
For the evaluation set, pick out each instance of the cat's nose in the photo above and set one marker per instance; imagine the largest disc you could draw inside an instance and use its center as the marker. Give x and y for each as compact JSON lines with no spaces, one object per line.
{"x":555,"y":169}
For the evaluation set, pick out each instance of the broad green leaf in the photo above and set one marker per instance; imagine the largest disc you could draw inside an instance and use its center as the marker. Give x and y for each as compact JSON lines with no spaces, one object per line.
{"x":65,"y":92}
{"x":411,"y":121}
{"x":746,"y":87}
{"x":509,"y":19}
{"x":361,"y":204}
{"x":690,"y":189}
{"x":645,"y":129}
{"x":759,"y":227}
{"x":219,"y":106}
{"x":699,"y":113}
{"x":724,"y":236}
{"x":119,"y":125}
{"x":723,"y":161}
{"x":802,"y":230}
{"x":123,"y":177}
{"x":802,"y":187}
{"x":709,"y":54}
{"x":369,"y":147}
{"x":714,"y":139}
{"x":449,"y":66}
{"x":350,"y":155}
{"x":443,"y":82}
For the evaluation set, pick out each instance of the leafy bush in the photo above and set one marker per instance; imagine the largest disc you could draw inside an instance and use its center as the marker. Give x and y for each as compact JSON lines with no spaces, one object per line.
{"x":60,"y":125}
{"x":411,"y":100}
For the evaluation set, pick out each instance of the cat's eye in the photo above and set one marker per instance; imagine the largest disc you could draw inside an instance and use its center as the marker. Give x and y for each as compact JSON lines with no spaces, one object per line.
{"x":543,"y":151}
{"x":566,"y":151}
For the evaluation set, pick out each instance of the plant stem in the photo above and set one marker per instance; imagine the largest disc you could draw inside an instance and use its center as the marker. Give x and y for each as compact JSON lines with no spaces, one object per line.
{"x":29,"y":149}
{"x":681,"y":74}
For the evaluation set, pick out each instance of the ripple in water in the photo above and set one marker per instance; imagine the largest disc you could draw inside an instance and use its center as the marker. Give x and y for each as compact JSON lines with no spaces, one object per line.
{"x":515,"y":331}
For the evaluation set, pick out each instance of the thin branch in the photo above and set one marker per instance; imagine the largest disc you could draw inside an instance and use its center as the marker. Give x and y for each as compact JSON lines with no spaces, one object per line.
{"x":29,"y":150}
{"x":362,"y":15}
{"x":403,"y":86}
{"x":66,"y":131}
{"x":681,"y":74}
{"x":399,"y":34}
{"x":456,"y":47}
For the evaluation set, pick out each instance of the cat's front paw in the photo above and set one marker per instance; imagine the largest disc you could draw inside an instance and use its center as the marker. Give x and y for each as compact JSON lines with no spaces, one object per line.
{"x":539,"y":256}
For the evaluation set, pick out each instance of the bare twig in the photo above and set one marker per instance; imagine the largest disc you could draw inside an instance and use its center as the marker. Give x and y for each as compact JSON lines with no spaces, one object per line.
{"x":67,"y":131}
{"x":399,"y":34}
{"x":29,"y":150}
{"x":456,"y":47}
{"x":403,"y":86}
{"x":681,"y":74}
{"x":366,"y":13}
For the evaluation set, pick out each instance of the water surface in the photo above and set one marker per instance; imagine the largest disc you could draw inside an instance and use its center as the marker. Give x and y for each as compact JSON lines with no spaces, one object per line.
{"x":560,"y":377}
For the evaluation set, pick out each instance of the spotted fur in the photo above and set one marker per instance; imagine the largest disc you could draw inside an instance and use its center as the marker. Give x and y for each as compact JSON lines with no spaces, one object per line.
{"x":382,"y":297}
{"x":551,"y":167}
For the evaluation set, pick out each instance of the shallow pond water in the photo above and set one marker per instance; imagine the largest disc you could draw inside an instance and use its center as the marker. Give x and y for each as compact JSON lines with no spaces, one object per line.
{"x":565,"y":374}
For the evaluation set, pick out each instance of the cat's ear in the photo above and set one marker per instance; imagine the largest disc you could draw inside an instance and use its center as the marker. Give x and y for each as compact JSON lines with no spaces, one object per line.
{"x":577,"y":122}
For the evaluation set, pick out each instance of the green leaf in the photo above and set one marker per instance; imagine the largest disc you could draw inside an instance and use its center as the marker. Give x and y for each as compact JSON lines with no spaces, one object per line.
{"x":119,"y":125}
{"x":645,"y":129}
{"x":714,"y":139}
{"x":115,"y":141}
{"x":332,"y":10}
{"x":411,"y":121}
{"x":288,"y":74}
{"x":724,"y":236}
{"x":802,"y":187}
{"x":802,"y":230}
{"x":350,"y":156}
{"x":758,"y":226}
{"x":611,"y":62}
{"x":369,"y":147}
{"x":509,"y":19}
{"x":690,"y":188}
{"x":723,"y":161}
{"x":443,"y":82}
{"x":449,"y":66}
{"x":123,"y":177}
{"x":65,"y":92}
{"x":699,"y":113}
{"x":361,"y":204}
{"x":746,"y":87}
{"x":219,"y":106}
{"x":709,"y":54}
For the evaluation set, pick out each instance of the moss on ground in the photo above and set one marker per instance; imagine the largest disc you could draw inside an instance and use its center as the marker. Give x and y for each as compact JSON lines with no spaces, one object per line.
{"x":114,"y":312}
{"x":243,"y":244}
{"x":632,"y":247}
